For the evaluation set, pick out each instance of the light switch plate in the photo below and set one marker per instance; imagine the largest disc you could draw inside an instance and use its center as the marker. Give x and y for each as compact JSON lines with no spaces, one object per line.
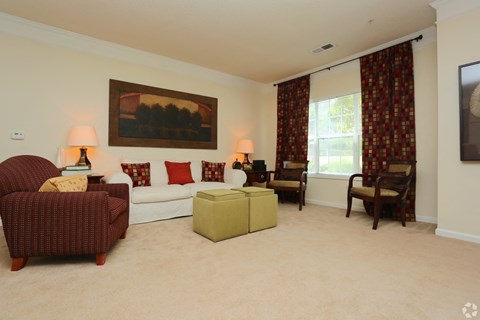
{"x":17,"y":135}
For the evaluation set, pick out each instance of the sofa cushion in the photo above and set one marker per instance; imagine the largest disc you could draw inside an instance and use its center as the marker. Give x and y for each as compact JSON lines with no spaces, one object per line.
{"x":138,"y":172}
{"x":161,"y":193}
{"x":179,"y":172}
{"x":213,"y":171}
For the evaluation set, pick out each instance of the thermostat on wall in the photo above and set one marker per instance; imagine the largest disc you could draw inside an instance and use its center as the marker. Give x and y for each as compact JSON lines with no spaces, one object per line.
{"x":17,"y":135}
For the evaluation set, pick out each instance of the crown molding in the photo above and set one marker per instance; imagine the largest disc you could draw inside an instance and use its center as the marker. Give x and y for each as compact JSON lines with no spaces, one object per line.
{"x":447,"y":9}
{"x":16,"y":26}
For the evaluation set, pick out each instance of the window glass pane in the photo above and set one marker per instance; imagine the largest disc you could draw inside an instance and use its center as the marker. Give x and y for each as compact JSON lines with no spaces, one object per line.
{"x":335,"y":135}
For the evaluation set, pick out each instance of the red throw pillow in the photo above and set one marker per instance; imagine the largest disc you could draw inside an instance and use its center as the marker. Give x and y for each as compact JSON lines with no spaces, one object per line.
{"x":213,"y":171}
{"x":179,"y":172}
{"x":138,"y":172}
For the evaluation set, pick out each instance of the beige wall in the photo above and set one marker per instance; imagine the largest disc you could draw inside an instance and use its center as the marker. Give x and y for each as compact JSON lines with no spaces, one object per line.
{"x":52,"y":79}
{"x":458,"y":211}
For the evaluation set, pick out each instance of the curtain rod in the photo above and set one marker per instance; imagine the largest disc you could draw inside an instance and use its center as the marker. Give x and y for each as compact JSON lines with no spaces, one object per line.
{"x":420,"y":37}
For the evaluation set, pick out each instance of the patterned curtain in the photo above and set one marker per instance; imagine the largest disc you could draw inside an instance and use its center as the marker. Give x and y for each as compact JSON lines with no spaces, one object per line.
{"x":292,"y":120}
{"x":388,"y":112}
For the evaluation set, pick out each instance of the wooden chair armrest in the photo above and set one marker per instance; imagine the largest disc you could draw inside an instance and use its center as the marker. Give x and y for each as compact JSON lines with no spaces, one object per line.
{"x":352,"y":177}
{"x":269,"y":175}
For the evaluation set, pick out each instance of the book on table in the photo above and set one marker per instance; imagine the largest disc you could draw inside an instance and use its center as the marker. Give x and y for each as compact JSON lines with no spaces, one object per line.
{"x":72,"y":172}
{"x":77,"y":168}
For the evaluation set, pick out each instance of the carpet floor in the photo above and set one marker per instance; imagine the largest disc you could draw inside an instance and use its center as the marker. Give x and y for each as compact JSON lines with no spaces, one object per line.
{"x":316,"y":264}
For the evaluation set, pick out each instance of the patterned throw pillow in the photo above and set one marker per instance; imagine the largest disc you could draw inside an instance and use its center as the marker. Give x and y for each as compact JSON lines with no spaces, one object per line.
{"x":73,"y":183}
{"x":179,"y":172}
{"x":213,"y":171}
{"x":138,"y":172}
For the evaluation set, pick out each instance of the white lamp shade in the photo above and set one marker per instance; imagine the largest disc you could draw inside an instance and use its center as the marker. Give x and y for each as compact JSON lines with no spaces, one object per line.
{"x":83,"y":136}
{"x":245,"y":146}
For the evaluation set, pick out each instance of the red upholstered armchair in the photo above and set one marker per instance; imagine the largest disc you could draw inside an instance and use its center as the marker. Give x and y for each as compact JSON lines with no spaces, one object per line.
{"x":57,"y":223}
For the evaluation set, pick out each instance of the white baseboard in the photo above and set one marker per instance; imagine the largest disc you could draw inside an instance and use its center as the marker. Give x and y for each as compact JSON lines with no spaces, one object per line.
{"x":428,"y":219}
{"x":457,"y":235}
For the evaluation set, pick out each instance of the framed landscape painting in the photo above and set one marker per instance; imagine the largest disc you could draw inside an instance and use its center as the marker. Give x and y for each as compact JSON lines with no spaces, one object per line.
{"x":144,"y":116}
{"x":469,"y":79}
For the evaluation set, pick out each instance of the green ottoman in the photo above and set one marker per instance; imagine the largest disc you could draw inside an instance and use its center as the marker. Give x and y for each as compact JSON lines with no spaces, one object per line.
{"x":263,"y":205}
{"x":220,"y":214}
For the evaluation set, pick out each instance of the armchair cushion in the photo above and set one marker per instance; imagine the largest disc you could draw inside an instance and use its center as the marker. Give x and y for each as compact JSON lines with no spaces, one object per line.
{"x":400,"y":168}
{"x":73,"y":183}
{"x":284,"y":184}
{"x":291,"y":174}
{"x":370,"y":191}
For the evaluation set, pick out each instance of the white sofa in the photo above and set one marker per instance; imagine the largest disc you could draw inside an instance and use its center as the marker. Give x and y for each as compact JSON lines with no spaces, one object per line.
{"x":163,"y":201}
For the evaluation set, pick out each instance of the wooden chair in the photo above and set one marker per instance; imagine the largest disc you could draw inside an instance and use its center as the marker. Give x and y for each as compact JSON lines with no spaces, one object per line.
{"x":389,"y":187}
{"x":291,"y":178}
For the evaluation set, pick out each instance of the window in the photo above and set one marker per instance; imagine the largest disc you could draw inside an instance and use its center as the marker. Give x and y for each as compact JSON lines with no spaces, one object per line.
{"x":334,"y":135}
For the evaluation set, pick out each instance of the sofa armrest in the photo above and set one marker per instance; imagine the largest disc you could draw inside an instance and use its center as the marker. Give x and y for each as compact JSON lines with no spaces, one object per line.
{"x":113,"y":177}
{"x":235,"y":176}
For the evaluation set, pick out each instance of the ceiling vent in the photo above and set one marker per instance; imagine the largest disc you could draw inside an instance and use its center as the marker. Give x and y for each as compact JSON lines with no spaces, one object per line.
{"x":326,"y":46}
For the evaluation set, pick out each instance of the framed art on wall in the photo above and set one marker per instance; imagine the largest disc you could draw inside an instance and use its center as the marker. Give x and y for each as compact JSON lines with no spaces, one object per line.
{"x":144,"y":116}
{"x":469,"y":80}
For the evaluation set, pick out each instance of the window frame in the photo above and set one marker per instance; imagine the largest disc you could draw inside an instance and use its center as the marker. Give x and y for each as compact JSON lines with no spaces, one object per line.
{"x":357,"y":138}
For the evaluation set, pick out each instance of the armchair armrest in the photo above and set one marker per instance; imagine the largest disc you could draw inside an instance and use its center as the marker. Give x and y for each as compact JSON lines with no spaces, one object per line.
{"x":352,"y":178}
{"x":45,"y":221}
{"x":269,"y":175}
{"x":394,"y":181}
{"x":117,"y":190}
{"x":365,"y":177}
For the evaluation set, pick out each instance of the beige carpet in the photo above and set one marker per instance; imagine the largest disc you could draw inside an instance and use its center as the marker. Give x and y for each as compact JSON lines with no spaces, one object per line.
{"x":316,"y":264}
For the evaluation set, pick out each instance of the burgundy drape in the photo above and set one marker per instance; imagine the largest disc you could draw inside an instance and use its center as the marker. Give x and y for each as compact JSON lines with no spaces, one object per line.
{"x":292,"y":120}
{"x":388,"y":111}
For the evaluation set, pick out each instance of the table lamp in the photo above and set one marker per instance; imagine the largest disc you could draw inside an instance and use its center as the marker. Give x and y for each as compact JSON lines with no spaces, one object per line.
{"x":83,"y":136}
{"x":245,"y":146}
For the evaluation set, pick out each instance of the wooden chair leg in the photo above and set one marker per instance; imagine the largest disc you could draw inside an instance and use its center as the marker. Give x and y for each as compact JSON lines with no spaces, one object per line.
{"x":349,"y":205}
{"x":101,"y":258}
{"x":18,"y":263}
{"x":402,"y":215}
{"x":282,"y":196}
{"x":300,"y":201}
{"x":376,"y":215}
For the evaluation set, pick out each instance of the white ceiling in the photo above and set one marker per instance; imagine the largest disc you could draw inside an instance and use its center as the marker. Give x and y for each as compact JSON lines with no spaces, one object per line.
{"x":262,"y":40}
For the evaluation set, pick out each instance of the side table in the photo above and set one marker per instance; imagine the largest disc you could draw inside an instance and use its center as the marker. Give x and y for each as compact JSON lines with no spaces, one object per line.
{"x":256,"y":176}
{"x":95,"y":178}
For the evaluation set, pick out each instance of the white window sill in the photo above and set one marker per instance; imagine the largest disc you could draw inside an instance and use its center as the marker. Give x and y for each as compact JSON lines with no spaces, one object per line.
{"x":329,"y":176}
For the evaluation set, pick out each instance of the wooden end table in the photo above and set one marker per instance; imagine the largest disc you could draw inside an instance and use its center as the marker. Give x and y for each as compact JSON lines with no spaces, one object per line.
{"x":256,"y":176}
{"x":95,"y":178}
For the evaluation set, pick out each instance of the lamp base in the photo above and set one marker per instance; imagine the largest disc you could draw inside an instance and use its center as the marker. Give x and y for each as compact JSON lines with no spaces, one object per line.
{"x":83,"y":160}
{"x":245,"y":160}
{"x":246,"y":165}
